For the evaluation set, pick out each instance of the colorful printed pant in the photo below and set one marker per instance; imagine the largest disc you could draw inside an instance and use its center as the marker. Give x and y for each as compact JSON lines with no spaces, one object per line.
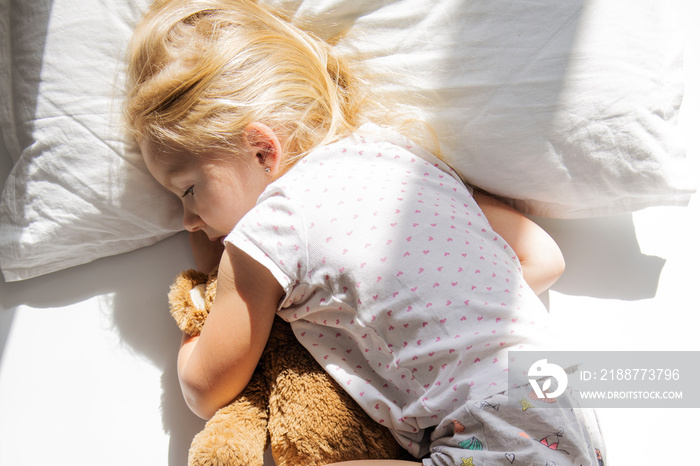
{"x":518,"y":429}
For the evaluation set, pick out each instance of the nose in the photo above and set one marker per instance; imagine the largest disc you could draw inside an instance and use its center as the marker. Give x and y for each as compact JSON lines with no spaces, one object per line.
{"x":191,"y":221}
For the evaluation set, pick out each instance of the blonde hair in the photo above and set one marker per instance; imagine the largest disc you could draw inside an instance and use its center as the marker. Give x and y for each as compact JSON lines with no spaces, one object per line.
{"x":199,"y":71}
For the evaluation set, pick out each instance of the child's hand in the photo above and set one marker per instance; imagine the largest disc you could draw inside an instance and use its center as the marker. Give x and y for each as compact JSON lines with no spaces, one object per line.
{"x":206,"y":254}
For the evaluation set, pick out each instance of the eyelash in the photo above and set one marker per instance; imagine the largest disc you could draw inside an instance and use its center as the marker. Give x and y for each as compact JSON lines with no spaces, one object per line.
{"x":188,"y":191}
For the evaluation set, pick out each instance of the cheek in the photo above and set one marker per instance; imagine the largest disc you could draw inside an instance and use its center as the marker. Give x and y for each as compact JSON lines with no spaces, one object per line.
{"x":227,"y":212}
{"x":229,"y":200}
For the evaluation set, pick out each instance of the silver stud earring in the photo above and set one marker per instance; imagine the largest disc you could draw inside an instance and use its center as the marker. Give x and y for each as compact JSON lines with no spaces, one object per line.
{"x":267,"y":169}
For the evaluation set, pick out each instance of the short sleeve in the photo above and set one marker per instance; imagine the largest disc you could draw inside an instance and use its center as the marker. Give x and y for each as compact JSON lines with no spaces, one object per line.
{"x":273,"y":234}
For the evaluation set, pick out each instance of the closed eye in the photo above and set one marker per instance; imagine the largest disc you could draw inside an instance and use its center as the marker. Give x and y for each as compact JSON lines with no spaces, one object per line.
{"x":189,"y":191}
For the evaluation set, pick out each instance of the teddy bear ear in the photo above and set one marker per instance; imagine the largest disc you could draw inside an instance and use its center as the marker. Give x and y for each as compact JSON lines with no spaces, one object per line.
{"x":184,"y":282}
{"x":184,"y":308}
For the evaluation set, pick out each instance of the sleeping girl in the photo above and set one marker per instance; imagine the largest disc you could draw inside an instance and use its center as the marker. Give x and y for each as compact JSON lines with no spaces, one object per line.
{"x":409,"y":287}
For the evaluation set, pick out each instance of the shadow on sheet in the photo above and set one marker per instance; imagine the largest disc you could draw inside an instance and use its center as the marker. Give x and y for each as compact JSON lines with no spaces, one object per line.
{"x":603,"y":258}
{"x":134,"y":288}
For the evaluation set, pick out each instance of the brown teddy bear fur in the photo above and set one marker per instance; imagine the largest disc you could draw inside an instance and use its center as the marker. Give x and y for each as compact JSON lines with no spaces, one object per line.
{"x":290,"y":404}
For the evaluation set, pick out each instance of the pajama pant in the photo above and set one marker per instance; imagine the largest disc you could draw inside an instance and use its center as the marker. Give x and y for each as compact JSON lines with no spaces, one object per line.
{"x":516,"y":428}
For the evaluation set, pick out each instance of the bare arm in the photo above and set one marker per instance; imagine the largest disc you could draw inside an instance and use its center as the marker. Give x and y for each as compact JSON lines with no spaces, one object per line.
{"x":539,"y":255}
{"x":216,"y":366}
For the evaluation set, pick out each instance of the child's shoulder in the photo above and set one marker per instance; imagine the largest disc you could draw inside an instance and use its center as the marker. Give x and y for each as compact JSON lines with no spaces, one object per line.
{"x":373,"y":150}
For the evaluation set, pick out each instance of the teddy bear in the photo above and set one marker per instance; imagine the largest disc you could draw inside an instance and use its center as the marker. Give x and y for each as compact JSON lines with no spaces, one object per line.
{"x":290,"y":404}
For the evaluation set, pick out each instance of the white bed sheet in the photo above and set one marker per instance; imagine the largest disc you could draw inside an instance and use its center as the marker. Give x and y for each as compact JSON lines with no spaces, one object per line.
{"x":87,"y":355}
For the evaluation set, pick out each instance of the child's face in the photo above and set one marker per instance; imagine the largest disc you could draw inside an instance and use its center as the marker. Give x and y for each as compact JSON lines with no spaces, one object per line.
{"x":217,"y":189}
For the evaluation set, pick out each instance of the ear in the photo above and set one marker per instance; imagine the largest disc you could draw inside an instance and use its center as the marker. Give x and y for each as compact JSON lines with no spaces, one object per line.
{"x":263,"y":142}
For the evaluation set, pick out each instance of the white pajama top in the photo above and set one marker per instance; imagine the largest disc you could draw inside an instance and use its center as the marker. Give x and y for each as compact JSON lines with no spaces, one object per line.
{"x":394,"y":280}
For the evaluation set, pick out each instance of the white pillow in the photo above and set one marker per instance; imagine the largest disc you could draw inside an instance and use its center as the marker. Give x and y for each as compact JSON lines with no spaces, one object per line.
{"x":76,"y":193}
{"x":568,"y":107}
